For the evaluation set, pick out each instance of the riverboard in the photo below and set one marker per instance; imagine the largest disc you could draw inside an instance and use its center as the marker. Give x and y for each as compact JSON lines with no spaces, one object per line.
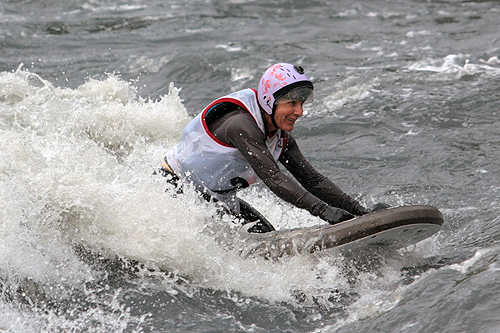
{"x":395,"y":227}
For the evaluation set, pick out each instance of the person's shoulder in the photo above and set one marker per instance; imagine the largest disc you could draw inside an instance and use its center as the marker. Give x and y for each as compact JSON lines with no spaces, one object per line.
{"x":242,"y":119}
{"x":242,"y":124}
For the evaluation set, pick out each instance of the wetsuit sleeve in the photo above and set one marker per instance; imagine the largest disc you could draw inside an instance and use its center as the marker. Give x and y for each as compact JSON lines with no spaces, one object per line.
{"x":241,"y":131}
{"x":314,"y":182}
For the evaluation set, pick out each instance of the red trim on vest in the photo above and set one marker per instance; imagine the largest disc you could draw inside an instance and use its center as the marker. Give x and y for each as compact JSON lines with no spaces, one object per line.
{"x":240,"y":104}
{"x":218,"y":101}
{"x":284,"y":144}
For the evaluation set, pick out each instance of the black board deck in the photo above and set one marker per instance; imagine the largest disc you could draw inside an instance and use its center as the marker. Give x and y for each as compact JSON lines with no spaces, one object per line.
{"x":396,"y":227}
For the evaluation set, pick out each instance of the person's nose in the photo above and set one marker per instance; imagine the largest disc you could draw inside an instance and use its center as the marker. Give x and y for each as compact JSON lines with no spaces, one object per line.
{"x":298,"y":109}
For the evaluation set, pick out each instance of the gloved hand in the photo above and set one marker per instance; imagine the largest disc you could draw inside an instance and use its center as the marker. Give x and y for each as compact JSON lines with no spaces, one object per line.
{"x":335,"y":215}
{"x":360,"y":210}
{"x":352,"y":206}
{"x":378,"y":207}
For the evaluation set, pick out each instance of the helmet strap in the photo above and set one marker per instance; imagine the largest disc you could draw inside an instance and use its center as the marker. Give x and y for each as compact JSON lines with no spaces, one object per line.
{"x":272,"y":118}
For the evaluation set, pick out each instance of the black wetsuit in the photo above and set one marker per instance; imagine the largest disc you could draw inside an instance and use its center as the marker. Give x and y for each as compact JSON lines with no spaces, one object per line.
{"x":315,"y":191}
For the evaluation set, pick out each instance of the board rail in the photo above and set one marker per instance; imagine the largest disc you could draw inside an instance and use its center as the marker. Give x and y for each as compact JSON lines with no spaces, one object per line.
{"x":395,"y":227}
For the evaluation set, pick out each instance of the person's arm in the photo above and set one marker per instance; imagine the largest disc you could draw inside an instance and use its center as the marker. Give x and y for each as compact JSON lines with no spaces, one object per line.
{"x":316,"y":183}
{"x":241,"y":131}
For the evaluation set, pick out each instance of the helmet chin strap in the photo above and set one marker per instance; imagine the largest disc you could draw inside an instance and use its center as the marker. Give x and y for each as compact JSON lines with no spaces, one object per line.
{"x":272,"y":118}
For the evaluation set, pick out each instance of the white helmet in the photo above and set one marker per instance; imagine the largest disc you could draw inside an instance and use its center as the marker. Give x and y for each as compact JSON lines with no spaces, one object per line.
{"x":283,"y":81}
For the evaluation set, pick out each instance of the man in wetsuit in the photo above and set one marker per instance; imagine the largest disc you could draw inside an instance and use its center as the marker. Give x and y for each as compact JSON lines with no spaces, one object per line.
{"x":238,"y":139}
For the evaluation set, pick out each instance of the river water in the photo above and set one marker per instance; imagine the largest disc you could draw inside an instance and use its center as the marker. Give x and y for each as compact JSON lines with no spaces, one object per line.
{"x":93,"y":93}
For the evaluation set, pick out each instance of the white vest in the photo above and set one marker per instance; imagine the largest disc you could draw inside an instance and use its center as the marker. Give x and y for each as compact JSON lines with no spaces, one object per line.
{"x":203,"y":159}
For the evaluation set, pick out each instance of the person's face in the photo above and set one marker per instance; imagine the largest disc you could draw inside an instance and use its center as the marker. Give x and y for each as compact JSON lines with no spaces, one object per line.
{"x":287,"y":114}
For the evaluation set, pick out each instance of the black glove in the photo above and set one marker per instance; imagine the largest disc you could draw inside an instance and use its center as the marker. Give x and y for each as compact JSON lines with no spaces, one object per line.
{"x":335,"y":215}
{"x":360,"y":210}
{"x":352,"y":206}
{"x":378,"y":207}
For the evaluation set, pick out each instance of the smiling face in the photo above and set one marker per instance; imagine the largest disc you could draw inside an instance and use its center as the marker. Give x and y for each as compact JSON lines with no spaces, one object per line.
{"x":286,"y":115}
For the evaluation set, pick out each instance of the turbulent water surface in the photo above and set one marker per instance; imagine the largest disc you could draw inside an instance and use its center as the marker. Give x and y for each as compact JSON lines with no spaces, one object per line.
{"x":93,"y":93}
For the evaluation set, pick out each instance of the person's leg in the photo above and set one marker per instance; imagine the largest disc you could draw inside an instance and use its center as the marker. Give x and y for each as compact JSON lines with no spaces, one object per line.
{"x":251,"y":215}
{"x":235,"y":206}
